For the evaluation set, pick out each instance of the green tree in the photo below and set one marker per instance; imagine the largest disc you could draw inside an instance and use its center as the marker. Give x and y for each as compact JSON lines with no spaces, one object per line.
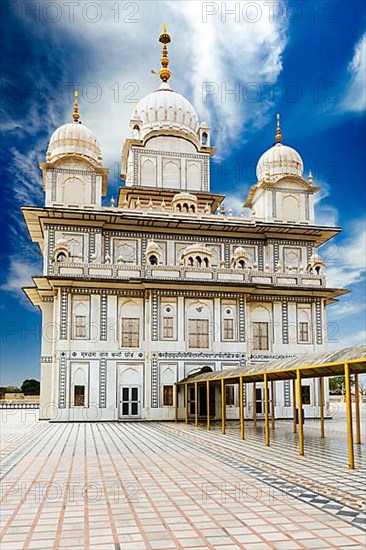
{"x":337,"y":385}
{"x":30,"y":387}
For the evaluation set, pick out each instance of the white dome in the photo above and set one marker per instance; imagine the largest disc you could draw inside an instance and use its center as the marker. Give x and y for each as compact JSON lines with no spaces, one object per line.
{"x":74,"y":138}
{"x":279,"y":160}
{"x":166,"y":109}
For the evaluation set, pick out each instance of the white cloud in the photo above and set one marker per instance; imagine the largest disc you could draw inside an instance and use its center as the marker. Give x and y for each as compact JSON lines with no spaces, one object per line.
{"x":225,"y":53}
{"x":20,"y":275}
{"x":355,"y":99}
{"x":353,"y":339}
{"x":346,"y":264}
{"x":346,"y":309}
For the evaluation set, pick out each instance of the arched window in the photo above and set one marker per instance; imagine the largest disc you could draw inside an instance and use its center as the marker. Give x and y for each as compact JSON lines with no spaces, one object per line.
{"x":153,"y":260}
{"x":61,"y":257}
{"x":190,"y":262}
{"x":193,"y":208}
{"x":185,"y":207}
{"x":240,"y":264}
{"x":204,"y":138}
{"x":198,"y":261}
{"x":205,"y":262}
{"x":317,"y":269}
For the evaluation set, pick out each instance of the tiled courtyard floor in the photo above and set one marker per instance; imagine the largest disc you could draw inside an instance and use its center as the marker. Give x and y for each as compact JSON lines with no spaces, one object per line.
{"x":168,"y":486}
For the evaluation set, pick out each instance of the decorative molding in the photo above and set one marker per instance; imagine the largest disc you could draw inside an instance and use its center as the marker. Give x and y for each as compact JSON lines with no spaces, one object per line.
{"x":62,"y":383}
{"x":109,"y":292}
{"x":307,"y":207}
{"x":53,"y":185}
{"x":93,"y":193}
{"x":268,"y":298}
{"x":276,"y":255}
{"x":103,"y":316}
{"x":241,"y":319}
{"x":285,"y":338}
{"x":46,"y":359}
{"x":318,"y":318}
{"x":91,"y":249}
{"x":201,"y":355}
{"x":155,"y":317}
{"x":287,"y":393}
{"x":143,"y":249}
{"x":227,"y":255}
{"x":63,"y":312}
{"x":51,"y":248}
{"x":154,"y":383}
{"x":261,"y":257}
{"x":107,"y":243}
{"x":274,"y":203}
{"x":309,"y":251}
{"x":103,"y":383}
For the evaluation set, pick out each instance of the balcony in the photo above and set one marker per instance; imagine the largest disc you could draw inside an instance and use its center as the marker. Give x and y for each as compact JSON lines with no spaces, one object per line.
{"x":178,"y":273}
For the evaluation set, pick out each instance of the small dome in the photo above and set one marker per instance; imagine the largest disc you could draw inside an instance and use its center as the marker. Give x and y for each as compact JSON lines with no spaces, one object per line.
{"x":74,"y":138}
{"x":280,"y":160}
{"x":166,"y":109}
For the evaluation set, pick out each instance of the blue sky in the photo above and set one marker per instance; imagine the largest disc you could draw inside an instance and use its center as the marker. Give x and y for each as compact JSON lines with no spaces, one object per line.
{"x":304,"y":59}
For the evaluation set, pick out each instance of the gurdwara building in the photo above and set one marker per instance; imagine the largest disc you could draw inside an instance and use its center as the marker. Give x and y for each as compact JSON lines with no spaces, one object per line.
{"x":165,"y":281}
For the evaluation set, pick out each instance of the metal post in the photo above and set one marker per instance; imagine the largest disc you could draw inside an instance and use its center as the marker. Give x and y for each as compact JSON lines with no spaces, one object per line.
{"x":321,"y":405}
{"x":241,"y":408}
{"x":223,"y":407}
{"x":266,"y":418}
{"x":186,"y":403}
{"x":273,"y":400}
{"x":254,"y":404}
{"x":357,"y":404}
{"x":351,"y":457}
{"x":294,"y":404}
{"x":196,"y":404}
{"x":299,"y":409}
{"x":208,"y":404}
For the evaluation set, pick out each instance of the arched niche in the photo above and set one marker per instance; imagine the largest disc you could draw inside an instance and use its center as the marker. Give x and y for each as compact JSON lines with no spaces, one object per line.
{"x":73,"y":191}
{"x":290,"y":208}
{"x":148,"y":173}
{"x":171,"y":175}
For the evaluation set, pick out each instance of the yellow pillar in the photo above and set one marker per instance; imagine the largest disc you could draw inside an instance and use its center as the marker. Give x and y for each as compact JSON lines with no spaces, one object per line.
{"x":299,"y":408}
{"x":273,"y":403}
{"x":254,"y":404}
{"x":208,"y":404}
{"x":294,"y":404}
{"x":223,"y":406}
{"x":196,"y":404}
{"x":186,"y":403}
{"x":241,"y":408}
{"x":351,"y":458}
{"x":321,"y":405}
{"x":176,"y":402}
{"x":357,"y":404}
{"x":266,"y":418}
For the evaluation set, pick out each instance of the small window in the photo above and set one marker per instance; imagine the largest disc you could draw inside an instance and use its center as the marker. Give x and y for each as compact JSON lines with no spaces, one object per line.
{"x":198,"y":333}
{"x":79,"y":396}
{"x":230,"y":395}
{"x":305,"y":394}
{"x":240,"y":264}
{"x":260,"y":336}
{"x":153,"y":260}
{"x":61,"y":257}
{"x":168,"y":328}
{"x":167,"y":396}
{"x":303,"y":332}
{"x":228,"y":330}
{"x":80,"y":326}
{"x":130,"y":333}
{"x":204,"y":138}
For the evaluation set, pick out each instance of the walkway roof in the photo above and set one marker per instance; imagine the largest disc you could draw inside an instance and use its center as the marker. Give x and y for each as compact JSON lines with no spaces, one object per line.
{"x":311,"y":366}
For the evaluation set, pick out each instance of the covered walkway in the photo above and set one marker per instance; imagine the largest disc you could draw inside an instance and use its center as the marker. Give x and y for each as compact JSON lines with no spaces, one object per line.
{"x":349,"y":362}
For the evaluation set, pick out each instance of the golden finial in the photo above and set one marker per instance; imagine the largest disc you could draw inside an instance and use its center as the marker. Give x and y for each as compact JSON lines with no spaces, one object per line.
{"x":165,"y":39}
{"x":278,"y":130}
{"x":76,"y":114}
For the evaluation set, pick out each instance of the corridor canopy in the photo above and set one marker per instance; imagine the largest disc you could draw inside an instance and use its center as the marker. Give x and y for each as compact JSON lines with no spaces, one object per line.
{"x":347,"y":362}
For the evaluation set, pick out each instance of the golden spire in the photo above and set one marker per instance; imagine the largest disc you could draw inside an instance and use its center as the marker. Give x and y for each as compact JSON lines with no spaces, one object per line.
{"x":165,"y":39}
{"x":278,"y":130}
{"x":76,"y":114}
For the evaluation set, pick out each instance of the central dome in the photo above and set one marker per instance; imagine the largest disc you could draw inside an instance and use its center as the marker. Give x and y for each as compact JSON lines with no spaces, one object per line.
{"x":166,"y":109}
{"x":280,"y":160}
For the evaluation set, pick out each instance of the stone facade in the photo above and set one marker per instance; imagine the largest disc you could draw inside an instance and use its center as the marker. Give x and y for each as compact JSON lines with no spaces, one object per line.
{"x":137,"y":295}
